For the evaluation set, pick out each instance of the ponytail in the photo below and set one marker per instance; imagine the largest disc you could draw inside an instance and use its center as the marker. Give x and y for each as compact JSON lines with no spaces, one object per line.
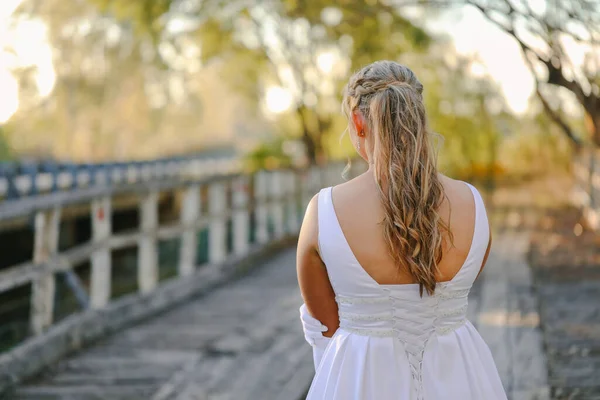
{"x":390,"y":98}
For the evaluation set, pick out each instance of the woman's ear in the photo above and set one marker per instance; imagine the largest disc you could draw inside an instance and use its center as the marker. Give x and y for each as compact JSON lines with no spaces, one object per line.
{"x":359,"y":123}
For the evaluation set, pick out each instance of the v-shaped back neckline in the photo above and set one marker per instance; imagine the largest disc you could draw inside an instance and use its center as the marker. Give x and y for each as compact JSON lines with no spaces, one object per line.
{"x":329,"y":192}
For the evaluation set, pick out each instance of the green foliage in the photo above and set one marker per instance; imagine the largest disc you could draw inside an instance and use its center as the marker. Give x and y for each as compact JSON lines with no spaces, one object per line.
{"x":280,"y":44}
{"x":537,"y":148}
{"x":5,"y":150}
{"x":378,"y":31}
{"x":214,"y":38}
{"x":269,"y":155}
{"x":120,"y":91}
{"x":143,"y":15}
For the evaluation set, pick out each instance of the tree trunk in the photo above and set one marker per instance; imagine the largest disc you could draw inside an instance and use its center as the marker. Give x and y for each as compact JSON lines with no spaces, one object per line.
{"x":310,"y":144}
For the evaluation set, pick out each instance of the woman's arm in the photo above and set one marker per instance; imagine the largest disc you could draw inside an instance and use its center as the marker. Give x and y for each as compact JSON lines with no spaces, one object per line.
{"x":315,"y":286}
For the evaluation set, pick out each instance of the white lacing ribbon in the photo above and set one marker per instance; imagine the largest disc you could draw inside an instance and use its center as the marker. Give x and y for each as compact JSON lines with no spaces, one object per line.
{"x":387,"y":316}
{"x":361,"y":300}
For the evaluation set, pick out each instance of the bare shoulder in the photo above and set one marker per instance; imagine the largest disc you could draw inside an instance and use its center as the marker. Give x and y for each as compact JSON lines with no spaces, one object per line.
{"x":344,"y":186}
{"x":312,"y":210}
{"x":310,"y":226}
{"x":357,"y":187}
{"x":458,"y":193}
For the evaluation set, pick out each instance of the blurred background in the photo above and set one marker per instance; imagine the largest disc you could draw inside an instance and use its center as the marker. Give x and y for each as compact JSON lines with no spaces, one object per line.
{"x":511,"y":90}
{"x":512,"y":87}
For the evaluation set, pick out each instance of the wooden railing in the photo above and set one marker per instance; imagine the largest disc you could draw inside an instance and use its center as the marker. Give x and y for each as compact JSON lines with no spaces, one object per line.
{"x":241,"y":213}
{"x":22,"y":179}
{"x":587,"y":185}
{"x":229,"y":207}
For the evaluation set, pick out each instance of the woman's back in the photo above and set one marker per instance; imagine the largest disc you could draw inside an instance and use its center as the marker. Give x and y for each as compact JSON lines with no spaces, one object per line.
{"x":362,"y":229}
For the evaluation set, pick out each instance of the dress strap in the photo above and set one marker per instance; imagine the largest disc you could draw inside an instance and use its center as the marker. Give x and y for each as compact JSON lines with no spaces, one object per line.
{"x":482,"y":229}
{"x":479,"y":242}
{"x":324,"y":205}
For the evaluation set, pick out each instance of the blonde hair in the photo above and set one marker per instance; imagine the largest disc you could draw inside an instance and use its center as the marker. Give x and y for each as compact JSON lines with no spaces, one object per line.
{"x":389,"y":97}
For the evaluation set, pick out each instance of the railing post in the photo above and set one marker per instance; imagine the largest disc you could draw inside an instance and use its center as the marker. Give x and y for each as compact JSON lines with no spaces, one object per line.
{"x":47,"y":228}
{"x":260,"y":201}
{"x":100,"y":259}
{"x":217,"y":203}
{"x":291,"y":193}
{"x":277,"y":203}
{"x":148,"y":251}
{"x":241,"y":223}
{"x":189,"y":214}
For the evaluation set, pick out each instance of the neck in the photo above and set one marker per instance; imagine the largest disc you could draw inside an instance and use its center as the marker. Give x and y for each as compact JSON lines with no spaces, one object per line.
{"x":371,"y":170}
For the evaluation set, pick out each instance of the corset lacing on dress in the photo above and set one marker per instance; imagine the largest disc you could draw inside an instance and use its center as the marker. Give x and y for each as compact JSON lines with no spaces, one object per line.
{"x":412,"y":321}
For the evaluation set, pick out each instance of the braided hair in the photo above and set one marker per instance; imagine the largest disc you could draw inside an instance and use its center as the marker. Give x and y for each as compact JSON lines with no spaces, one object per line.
{"x":389,"y":97}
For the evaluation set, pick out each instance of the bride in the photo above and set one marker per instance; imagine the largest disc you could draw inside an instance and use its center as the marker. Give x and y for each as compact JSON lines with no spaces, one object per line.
{"x":386,"y":261}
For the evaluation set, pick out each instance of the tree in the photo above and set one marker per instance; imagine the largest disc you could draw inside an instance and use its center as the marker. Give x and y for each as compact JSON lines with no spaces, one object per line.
{"x":307,"y":48}
{"x":467,"y":111}
{"x":543,"y":32}
{"x":117,"y":93}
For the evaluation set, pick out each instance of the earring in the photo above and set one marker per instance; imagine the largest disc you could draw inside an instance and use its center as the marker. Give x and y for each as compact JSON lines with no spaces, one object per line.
{"x":361,"y":133}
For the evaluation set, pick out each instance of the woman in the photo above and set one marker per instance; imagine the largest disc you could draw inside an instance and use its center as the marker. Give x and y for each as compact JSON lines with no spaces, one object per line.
{"x":386,"y":260}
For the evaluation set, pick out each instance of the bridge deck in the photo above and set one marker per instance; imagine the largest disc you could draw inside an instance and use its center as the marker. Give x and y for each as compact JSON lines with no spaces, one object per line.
{"x":243,"y":341}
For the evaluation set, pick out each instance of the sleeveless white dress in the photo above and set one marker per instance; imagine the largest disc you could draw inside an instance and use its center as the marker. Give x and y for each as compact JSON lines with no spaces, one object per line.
{"x":393,"y":344}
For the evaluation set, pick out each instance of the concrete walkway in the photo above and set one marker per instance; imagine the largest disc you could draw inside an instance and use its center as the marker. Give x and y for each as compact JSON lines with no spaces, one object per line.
{"x":504,"y":310}
{"x":243,"y":341}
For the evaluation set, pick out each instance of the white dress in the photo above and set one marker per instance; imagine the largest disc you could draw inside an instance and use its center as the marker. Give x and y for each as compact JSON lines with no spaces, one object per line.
{"x":393,"y":344}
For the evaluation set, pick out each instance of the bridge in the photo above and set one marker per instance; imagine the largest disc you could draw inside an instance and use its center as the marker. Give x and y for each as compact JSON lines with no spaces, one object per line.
{"x":219,"y":318}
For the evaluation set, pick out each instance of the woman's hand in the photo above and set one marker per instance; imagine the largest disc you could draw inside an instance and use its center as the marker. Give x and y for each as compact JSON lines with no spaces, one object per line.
{"x":313,"y":328}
